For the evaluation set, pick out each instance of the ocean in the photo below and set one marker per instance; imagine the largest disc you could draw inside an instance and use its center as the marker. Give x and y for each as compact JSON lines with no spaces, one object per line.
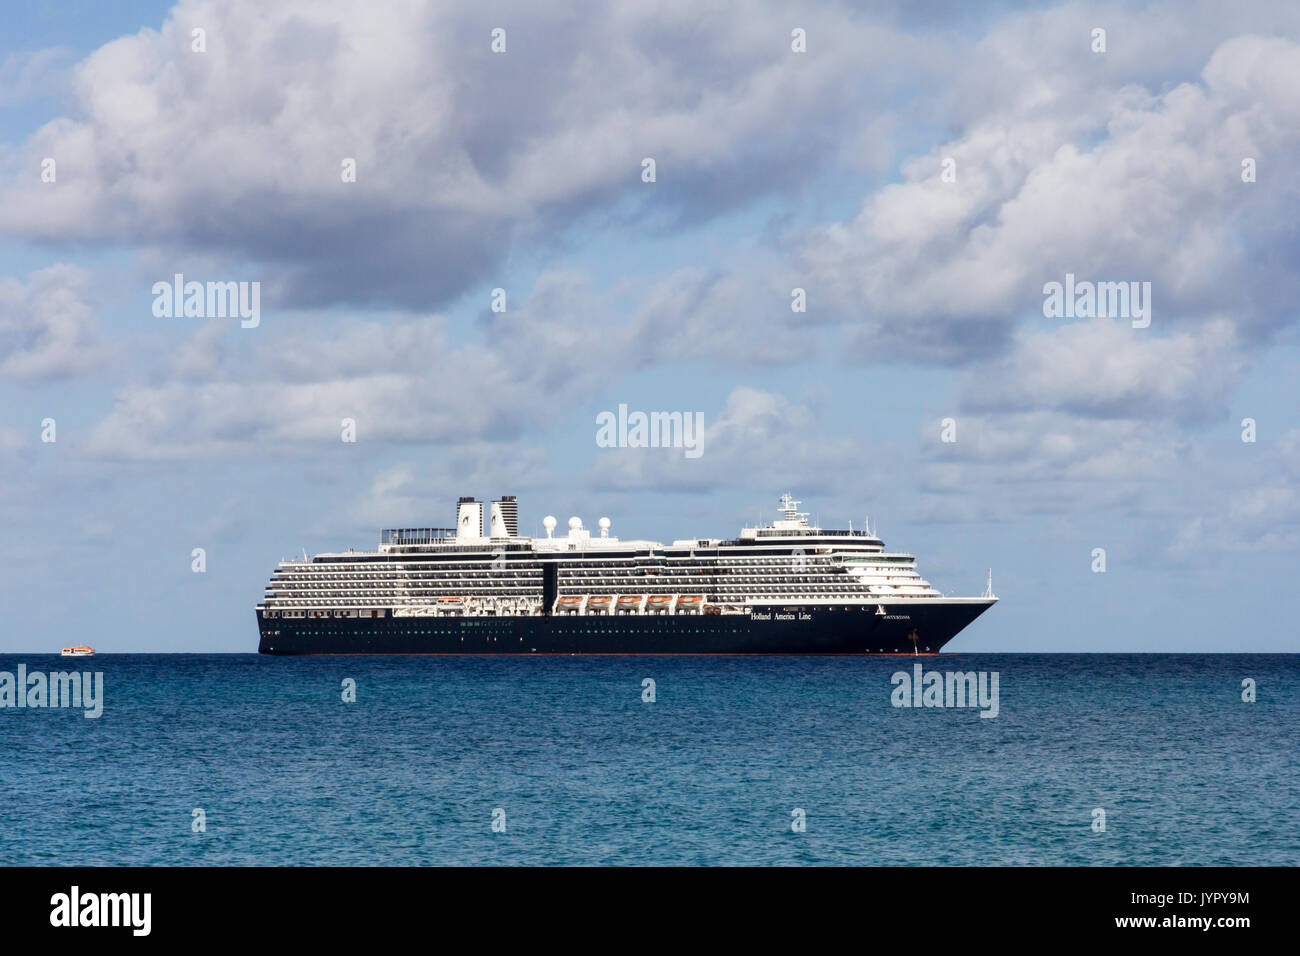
{"x":248,"y":760}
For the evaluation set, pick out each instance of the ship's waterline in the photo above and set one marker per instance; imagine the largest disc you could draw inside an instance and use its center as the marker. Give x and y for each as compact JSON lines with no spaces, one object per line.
{"x":783,"y":588}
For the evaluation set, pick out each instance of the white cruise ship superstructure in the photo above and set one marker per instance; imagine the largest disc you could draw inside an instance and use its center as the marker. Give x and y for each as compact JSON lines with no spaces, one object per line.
{"x":480,"y":588}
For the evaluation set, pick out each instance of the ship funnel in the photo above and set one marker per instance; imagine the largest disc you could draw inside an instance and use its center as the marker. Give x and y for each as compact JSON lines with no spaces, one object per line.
{"x":505,"y":518}
{"x":469,"y":519}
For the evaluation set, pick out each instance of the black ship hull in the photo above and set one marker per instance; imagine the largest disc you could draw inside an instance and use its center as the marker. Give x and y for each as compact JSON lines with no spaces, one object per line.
{"x":921,"y":627}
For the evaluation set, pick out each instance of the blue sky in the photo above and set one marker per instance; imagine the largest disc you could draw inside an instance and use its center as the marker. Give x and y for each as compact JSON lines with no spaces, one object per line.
{"x":775,"y":169}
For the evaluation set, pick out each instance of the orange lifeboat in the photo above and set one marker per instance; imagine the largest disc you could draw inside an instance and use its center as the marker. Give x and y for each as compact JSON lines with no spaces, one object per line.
{"x":691,"y":600}
{"x":660,"y":599}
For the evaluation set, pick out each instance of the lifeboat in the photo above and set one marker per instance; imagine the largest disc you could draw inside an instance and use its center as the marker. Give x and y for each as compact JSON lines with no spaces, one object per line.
{"x":712,"y":609}
{"x":570,"y":600}
{"x":629,"y":600}
{"x":598,"y":601}
{"x":450,"y":600}
{"x":659,"y":600}
{"x":81,"y":650}
{"x":690,"y":600}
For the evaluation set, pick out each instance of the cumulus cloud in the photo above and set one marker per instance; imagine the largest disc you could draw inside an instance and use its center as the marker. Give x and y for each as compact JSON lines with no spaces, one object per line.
{"x":1125,"y":166}
{"x":1241,"y":499}
{"x":740,"y":440}
{"x":48,"y":329}
{"x":460,"y":152}
{"x":1134,"y":185}
{"x":1105,"y":368}
{"x":402,"y":378}
{"x":1013,"y":466}
{"x":29,"y":74}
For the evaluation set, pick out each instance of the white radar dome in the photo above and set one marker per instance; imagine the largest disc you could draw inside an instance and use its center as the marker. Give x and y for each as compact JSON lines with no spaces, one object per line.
{"x":549,"y":523}
{"x":575,"y":523}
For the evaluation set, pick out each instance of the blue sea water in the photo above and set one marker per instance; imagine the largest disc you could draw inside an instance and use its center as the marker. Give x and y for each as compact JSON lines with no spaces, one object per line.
{"x":711,"y":772}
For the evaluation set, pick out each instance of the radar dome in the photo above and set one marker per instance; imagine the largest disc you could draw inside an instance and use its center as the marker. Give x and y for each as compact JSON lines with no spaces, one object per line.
{"x":549,"y":523}
{"x":575,"y":523}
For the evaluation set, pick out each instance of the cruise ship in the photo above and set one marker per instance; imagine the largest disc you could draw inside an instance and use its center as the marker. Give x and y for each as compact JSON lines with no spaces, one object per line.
{"x":786,"y":587}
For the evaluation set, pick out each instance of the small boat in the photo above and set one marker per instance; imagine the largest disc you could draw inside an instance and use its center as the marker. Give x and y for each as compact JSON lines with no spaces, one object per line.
{"x":712,"y":609}
{"x":80,"y":650}
{"x":689,"y":599}
{"x":598,"y":601}
{"x":661,"y":599}
{"x":571,"y":600}
{"x":630,"y":599}
{"x":450,"y":600}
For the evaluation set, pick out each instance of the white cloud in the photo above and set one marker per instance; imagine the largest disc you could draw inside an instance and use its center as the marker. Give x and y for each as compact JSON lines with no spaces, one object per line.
{"x":459,"y":151}
{"x":29,"y":74}
{"x":756,"y":432}
{"x":1106,"y":368}
{"x":1132,"y":185}
{"x":48,"y":329}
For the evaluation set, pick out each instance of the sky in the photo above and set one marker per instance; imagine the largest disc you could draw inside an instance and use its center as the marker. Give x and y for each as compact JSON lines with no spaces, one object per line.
{"x":923,"y":172}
